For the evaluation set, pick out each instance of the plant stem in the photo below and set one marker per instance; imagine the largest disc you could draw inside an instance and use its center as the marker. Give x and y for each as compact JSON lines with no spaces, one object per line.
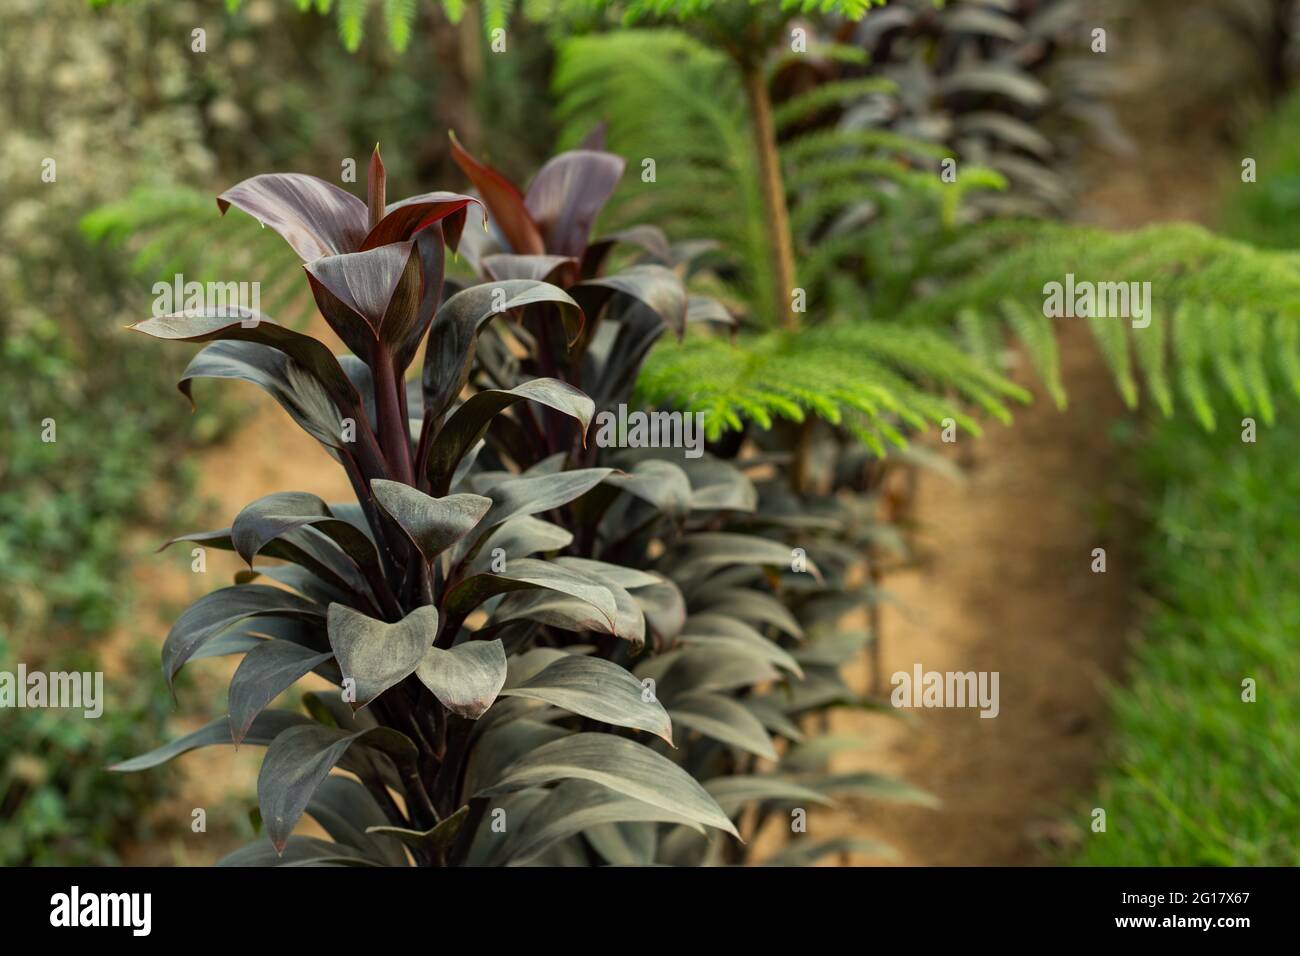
{"x":772,"y":188}
{"x":383,"y":594}
{"x":394,"y":433}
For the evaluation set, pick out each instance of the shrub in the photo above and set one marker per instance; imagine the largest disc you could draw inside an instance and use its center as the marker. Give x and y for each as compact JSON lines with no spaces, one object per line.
{"x":424,"y":606}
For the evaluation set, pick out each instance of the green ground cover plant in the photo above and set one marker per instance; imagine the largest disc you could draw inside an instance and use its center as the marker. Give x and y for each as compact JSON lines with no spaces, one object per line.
{"x":1198,"y":776}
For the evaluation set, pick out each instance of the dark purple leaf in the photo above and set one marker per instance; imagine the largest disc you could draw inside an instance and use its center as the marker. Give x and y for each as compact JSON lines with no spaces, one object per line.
{"x":265,"y":728}
{"x":375,"y":654}
{"x":471,"y":420}
{"x":300,"y":759}
{"x":655,"y":287}
{"x":433,"y":524}
{"x":221,"y":610}
{"x":316,"y":218}
{"x":649,"y":238}
{"x":247,"y":326}
{"x":266,"y":671}
{"x":405,"y":219}
{"x":558,"y":270}
{"x":454,"y":335}
{"x":568,"y":193}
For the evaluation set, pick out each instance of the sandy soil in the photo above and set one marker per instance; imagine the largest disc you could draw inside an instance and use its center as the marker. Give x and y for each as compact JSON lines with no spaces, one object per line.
{"x":1004,"y":584}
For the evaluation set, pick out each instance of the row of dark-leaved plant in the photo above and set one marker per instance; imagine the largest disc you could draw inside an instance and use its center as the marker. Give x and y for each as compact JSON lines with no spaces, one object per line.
{"x":458,"y":744}
{"x":484,"y":604}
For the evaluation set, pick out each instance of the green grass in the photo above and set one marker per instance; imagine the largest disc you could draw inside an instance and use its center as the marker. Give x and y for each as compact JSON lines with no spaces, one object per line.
{"x":1199,"y":777}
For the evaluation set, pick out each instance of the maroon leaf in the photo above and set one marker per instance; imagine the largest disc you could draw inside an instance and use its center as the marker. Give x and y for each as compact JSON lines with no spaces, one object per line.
{"x":376,"y":185}
{"x":504,"y":202}
{"x":568,"y":193}
{"x":402,"y":220}
{"x":557,"y":270}
{"x":316,"y":218}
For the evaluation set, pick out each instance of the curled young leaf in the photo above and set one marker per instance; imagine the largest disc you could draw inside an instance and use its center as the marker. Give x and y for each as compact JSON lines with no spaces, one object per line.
{"x":368,"y":297}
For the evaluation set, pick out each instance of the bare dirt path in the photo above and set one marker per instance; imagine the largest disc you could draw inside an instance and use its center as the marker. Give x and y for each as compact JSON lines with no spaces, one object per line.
{"x":1006,"y":585}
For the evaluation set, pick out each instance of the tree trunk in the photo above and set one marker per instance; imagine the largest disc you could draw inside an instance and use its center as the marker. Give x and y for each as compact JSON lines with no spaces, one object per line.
{"x":458,"y":55}
{"x":773,"y":189}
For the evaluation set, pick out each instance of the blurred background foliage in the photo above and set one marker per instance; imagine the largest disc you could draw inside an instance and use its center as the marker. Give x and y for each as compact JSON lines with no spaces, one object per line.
{"x":104,"y":103}
{"x":1197,"y":775}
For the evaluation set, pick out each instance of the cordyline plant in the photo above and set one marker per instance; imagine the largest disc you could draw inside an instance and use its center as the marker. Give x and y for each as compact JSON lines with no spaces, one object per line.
{"x":470,"y":739}
{"x":733,"y":666}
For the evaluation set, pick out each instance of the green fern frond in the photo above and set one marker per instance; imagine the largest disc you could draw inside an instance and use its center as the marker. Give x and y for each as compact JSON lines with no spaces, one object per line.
{"x":638,"y":10}
{"x":817,"y":144}
{"x":1035,"y":330}
{"x":667,"y":97}
{"x":982,"y":336}
{"x":1216,"y":307}
{"x":826,"y":173}
{"x":806,"y":106}
{"x":867,"y":376}
{"x":352,"y":17}
{"x":819,"y":49}
{"x":1151,"y":349}
{"x":399,"y":15}
{"x":496,"y":14}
